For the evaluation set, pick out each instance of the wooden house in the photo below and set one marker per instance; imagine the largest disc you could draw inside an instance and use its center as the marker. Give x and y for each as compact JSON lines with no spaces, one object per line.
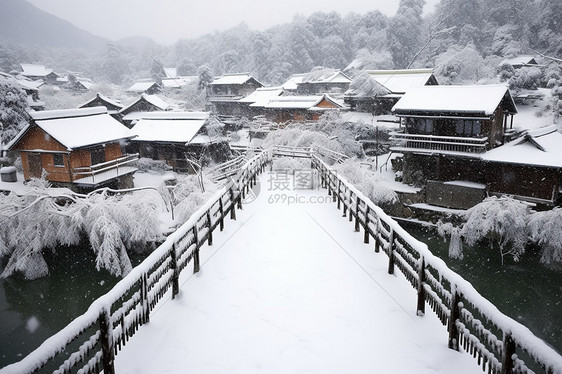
{"x":224,"y":93}
{"x":299,"y":108}
{"x":113,"y":106}
{"x":445,"y":130}
{"x":145,"y":103}
{"x":77,"y":148}
{"x":177,"y":137}
{"x":518,"y":62}
{"x":39,"y":72}
{"x":393,"y":85}
{"x":323,"y":81}
{"x":253,"y":104}
{"x":293,"y":82}
{"x":145,"y":87}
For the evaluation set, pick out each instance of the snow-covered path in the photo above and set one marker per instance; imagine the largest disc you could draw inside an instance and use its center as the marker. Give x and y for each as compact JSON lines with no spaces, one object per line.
{"x":290,"y":288}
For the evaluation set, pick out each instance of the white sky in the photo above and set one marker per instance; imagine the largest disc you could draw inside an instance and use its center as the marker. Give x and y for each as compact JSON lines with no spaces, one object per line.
{"x":166,"y":21}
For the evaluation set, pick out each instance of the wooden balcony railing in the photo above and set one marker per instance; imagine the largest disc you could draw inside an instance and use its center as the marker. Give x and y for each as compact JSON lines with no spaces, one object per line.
{"x":102,"y":171}
{"x":433,"y":143}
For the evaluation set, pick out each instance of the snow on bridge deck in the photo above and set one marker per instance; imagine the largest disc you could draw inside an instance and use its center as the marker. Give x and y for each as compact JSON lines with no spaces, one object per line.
{"x":290,"y":288}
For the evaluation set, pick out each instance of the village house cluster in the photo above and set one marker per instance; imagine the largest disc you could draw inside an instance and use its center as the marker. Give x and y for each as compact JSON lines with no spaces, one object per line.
{"x":456,"y":144}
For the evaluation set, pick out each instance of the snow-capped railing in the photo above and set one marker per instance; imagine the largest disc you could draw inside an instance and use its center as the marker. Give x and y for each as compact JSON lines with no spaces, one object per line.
{"x":403,"y":142}
{"x":97,"y":169}
{"x":90,"y":342}
{"x":498,"y":343}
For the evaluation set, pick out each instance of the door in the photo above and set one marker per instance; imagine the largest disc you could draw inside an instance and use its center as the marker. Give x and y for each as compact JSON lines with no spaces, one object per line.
{"x":34,"y":165}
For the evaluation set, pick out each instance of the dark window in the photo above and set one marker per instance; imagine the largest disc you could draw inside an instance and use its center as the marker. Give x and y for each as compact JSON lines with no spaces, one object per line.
{"x":467,"y":127}
{"x":97,"y":156}
{"x":419,"y":126}
{"x":58,"y":160}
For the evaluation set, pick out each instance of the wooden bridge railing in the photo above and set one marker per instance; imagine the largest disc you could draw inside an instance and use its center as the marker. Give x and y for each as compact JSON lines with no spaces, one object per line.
{"x":90,"y":342}
{"x":498,"y":343}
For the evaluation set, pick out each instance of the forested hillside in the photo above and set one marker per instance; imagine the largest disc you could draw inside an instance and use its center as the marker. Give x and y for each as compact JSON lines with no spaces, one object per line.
{"x":462,"y":40}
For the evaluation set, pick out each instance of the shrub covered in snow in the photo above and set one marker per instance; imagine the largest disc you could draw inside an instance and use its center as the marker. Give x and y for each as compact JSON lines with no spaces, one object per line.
{"x":545,"y":229}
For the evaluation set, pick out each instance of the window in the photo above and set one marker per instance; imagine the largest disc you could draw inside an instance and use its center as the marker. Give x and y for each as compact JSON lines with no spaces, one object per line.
{"x":58,"y":160}
{"x":466,"y":127}
{"x":419,"y":126}
{"x":97,"y":156}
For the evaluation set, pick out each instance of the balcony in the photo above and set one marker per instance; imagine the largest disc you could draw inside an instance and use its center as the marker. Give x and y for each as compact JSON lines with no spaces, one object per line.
{"x":102,"y":172}
{"x":437,"y":144}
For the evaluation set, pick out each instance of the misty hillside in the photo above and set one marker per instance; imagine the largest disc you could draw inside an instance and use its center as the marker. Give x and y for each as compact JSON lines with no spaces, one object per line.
{"x":23,"y":23}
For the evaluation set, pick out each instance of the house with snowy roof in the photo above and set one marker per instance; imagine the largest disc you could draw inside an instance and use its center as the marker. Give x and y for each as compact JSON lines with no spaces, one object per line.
{"x":224,"y":93}
{"x":518,"y":62}
{"x":113,"y":106}
{"x":147,"y":87}
{"x":77,"y":148}
{"x":253,"y":104}
{"x":293,"y":82}
{"x":31,"y":89}
{"x":445,"y":130}
{"x":323,"y":81}
{"x":39,"y":72}
{"x":145,"y":103}
{"x":299,"y":108}
{"x":177,"y":137}
{"x":392,"y":85}
{"x":175,"y":83}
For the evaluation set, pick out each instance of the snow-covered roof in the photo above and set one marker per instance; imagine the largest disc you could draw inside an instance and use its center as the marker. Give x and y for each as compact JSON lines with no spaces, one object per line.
{"x":471,"y":99}
{"x":539,"y":147}
{"x":152,"y":99}
{"x":34,"y":70}
{"x":293,"y":82}
{"x":86,"y":84}
{"x":141,"y":86}
{"x":326,"y":76}
{"x":171,"y":72}
{"x":104,"y":99}
{"x":261,"y":96}
{"x":175,"y":127}
{"x":299,"y":102}
{"x":233,"y":79}
{"x":77,"y":128}
{"x":400,"y":81}
{"x":520,"y":60}
{"x":179,"y":81}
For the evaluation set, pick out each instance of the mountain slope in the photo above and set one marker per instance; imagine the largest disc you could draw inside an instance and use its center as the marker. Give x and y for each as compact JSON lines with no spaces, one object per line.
{"x":23,"y":23}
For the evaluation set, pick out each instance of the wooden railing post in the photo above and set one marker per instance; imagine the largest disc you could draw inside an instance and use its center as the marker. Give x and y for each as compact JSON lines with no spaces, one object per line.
{"x":507,"y":354}
{"x":391,"y":252}
{"x":144,"y":299}
{"x":338,"y":194}
{"x":106,"y":337}
{"x":377,"y":236}
{"x":210,"y":229}
{"x":366,"y":236}
{"x":453,"y":317}
{"x":196,"y":265}
{"x":221,"y":211}
{"x":232,"y":204}
{"x":357,"y":214}
{"x":176,"y":274}
{"x":421,"y":288}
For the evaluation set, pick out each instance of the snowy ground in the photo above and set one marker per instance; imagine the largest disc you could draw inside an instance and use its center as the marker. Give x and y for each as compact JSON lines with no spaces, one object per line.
{"x":290,"y":288}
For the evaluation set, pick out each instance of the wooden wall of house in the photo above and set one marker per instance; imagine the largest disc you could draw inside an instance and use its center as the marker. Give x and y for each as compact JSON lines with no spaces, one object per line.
{"x":524,"y":180}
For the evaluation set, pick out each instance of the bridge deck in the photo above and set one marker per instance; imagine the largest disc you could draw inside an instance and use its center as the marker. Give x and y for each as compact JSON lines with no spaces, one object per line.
{"x":290,"y":288}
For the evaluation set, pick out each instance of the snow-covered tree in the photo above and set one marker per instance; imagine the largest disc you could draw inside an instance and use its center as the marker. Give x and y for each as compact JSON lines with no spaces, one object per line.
{"x":205,"y":76}
{"x":526,"y":78}
{"x":364,"y":85}
{"x":502,"y":220}
{"x":404,"y":32}
{"x":14,"y":111}
{"x":460,"y":64}
{"x":544,"y":229}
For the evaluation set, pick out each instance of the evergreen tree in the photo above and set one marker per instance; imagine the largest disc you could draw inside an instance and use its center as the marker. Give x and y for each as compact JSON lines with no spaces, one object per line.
{"x":404,"y":32}
{"x":14,"y":111}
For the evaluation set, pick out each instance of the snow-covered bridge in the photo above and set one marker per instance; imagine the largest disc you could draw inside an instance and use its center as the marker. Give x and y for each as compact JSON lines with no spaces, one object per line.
{"x":292,"y":285}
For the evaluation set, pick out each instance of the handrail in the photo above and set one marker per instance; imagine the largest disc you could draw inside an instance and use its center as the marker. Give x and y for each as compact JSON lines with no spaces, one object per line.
{"x":498,"y":343}
{"x":90,"y":342}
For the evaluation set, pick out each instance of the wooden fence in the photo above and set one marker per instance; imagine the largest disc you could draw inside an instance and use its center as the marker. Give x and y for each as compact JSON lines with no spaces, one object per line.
{"x":90,"y":342}
{"x":498,"y":343}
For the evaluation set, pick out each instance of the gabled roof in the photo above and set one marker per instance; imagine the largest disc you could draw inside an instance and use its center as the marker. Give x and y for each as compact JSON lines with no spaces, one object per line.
{"x":325,"y":76}
{"x":34,"y":70}
{"x":261,"y":96}
{"x":77,"y":128}
{"x":539,"y":147}
{"x":172,"y":127}
{"x":472,"y":99}
{"x":400,"y":81}
{"x":293,"y":82}
{"x":142,"y":86}
{"x":300,"y":102}
{"x":520,"y":60}
{"x":103,"y":99}
{"x":152,"y":99}
{"x":171,"y":72}
{"x":239,"y":78}
{"x":179,"y":82}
